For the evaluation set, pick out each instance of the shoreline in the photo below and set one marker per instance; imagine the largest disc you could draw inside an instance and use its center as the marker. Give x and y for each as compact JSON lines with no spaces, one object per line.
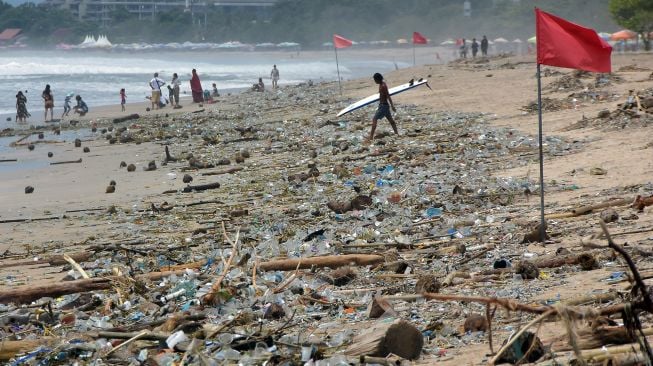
{"x":230,"y":70}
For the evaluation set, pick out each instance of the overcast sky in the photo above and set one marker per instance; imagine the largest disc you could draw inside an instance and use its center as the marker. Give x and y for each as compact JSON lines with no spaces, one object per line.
{"x":18,"y":2}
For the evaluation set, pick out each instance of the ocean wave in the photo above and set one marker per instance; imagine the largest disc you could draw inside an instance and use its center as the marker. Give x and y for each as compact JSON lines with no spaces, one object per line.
{"x":30,"y":67}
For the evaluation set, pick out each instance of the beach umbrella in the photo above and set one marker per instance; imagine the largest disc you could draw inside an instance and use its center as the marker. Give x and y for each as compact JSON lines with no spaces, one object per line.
{"x":532,"y":40}
{"x":605,"y":36}
{"x":500,"y":40}
{"x":517,"y":40}
{"x":623,"y":35}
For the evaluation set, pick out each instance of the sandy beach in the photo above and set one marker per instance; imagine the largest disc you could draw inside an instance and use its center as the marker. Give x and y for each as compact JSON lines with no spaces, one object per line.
{"x":452,"y":132}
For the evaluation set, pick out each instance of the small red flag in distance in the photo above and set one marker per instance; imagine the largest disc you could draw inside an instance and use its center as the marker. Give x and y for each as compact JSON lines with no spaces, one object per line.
{"x":419,"y":39}
{"x":341,"y":42}
{"x":565,"y":44}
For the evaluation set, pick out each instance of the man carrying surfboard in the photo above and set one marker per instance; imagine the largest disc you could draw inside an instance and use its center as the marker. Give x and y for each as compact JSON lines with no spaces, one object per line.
{"x":385,"y":103}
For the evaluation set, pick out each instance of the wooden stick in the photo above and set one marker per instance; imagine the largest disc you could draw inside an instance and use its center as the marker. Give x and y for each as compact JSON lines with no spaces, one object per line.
{"x":127,"y":342}
{"x":150,"y":336}
{"x":208,"y":298}
{"x":203,"y":203}
{"x":67,"y":162}
{"x":9,"y":221}
{"x":201,"y":187}
{"x":589,"y":208}
{"x":54,"y":260}
{"x":76,"y":266}
{"x":512,"y":305}
{"x":331,"y":261}
{"x":28,"y":293}
{"x":224,"y":171}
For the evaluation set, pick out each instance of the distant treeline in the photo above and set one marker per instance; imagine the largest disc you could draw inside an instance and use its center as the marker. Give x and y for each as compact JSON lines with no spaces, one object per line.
{"x":310,"y":22}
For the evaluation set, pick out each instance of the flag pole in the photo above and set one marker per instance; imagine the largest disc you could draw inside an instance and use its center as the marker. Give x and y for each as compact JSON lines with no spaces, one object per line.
{"x":539,"y":118}
{"x":414,"y":64}
{"x":337,"y":67}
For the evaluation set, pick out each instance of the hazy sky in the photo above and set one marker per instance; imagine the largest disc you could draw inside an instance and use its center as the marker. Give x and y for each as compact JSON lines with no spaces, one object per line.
{"x":18,"y":2}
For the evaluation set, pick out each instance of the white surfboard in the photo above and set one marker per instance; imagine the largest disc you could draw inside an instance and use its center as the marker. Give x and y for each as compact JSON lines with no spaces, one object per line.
{"x":374,"y":98}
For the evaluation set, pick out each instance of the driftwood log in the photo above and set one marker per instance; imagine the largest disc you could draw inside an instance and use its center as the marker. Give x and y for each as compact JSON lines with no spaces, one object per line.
{"x":399,"y":337}
{"x":589,"y":208}
{"x":28,"y":293}
{"x":331,"y":261}
{"x":224,"y":171}
{"x":67,"y":162}
{"x":55,"y":260}
{"x":126,"y":118}
{"x":9,"y":349}
{"x":201,"y":187}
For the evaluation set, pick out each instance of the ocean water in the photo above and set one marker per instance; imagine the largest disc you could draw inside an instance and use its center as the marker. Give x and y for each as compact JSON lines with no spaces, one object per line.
{"x":98,"y":76}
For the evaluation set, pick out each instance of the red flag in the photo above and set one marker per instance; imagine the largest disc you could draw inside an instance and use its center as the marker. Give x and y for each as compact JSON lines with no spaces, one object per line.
{"x":419,"y":39}
{"x":341,"y":42}
{"x":565,"y":44}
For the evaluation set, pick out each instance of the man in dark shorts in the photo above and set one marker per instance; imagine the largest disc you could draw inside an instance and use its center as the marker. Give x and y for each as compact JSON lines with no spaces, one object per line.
{"x":385,"y":103}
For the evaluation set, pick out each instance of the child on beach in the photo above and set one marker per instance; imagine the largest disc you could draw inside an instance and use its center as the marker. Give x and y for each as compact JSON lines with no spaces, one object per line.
{"x":66,"y":105}
{"x":384,"y":107}
{"x":171,"y":95}
{"x":123,"y":99}
{"x":81,"y":106}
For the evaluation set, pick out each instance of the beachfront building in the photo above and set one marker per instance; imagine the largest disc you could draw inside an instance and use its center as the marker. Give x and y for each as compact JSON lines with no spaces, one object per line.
{"x":100,"y":10}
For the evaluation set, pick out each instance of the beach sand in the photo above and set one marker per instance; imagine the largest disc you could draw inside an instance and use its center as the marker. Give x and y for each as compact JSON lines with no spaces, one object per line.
{"x":499,"y":89}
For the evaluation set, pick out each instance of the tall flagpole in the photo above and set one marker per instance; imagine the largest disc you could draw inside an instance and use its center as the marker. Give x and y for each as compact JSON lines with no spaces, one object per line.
{"x":337,"y":68}
{"x":539,"y":117}
{"x":414,"y":64}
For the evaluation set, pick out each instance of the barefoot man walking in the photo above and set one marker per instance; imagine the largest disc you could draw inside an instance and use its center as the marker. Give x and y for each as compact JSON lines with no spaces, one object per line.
{"x":385,"y":103}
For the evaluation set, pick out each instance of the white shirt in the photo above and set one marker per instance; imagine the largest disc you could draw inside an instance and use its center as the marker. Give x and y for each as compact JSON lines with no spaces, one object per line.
{"x":175,"y":83}
{"x":157,"y":83}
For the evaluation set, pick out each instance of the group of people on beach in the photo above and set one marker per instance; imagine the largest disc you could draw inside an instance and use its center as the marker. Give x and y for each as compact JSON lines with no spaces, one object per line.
{"x":274,"y":76}
{"x":474,"y":46}
{"x":198,"y":93}
{"x":158,"y":101}
{"x":48,"y":100}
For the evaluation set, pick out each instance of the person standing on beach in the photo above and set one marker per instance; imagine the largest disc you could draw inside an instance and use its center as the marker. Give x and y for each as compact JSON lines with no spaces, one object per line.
{"x":385,"y":103}
{"x":156,"y":85}
{"x":123,"y":99}
{"x":175,"y":90}
{"x":21,"y":108}
{"x":484,"y":44}
{"x":474,"y":47}
{"x":274,"y":75}
{"x":463,"y":49}
{"x":196,"y":88}
{"x":48,"y":100}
